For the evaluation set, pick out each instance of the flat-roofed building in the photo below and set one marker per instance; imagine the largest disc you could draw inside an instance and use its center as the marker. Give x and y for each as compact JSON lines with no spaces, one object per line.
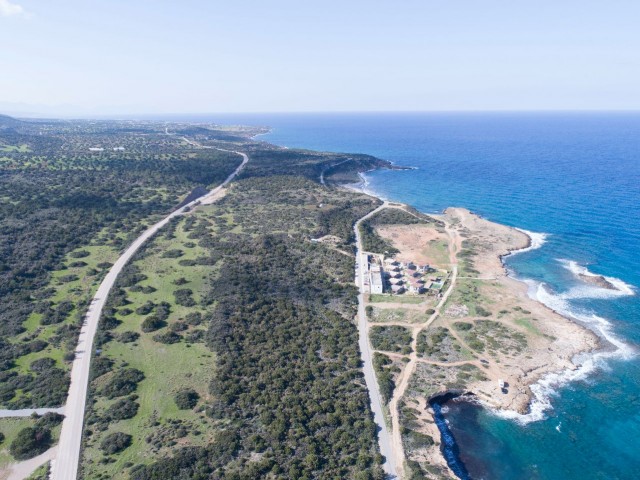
{"x":375,"y":280}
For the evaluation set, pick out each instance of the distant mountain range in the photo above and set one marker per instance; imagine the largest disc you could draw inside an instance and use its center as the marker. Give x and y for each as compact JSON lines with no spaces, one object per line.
{"x":9,"y":122}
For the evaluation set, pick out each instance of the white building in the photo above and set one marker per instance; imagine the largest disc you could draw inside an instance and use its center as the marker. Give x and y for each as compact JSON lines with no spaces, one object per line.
{"x":375,"y":279}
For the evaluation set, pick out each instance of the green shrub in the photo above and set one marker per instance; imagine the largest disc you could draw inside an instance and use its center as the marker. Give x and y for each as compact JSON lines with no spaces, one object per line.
{"x":186,"y":399}
{"x":184,"y":297}
{"x":194,"y":318}
{"x":128,"y":337}
{"x":179,"y":326}
{"x":463,"y":326}
{"x":123,"y":409}
{"x":42,"y":364}
{"x":167,"y":338}
{"x":30,"y":442}
{"x":100,"y":366}
{"x":175,"y":253}
{"x":115,"y":442}
{"x":68,"y":278}
{"x":49,"y":420}
{"x":145,"y":309}
{"x":123,"y":382}
{"x":152,"y":323}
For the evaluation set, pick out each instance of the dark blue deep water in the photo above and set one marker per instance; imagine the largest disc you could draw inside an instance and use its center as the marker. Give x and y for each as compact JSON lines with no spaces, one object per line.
{"x":573,"y":177}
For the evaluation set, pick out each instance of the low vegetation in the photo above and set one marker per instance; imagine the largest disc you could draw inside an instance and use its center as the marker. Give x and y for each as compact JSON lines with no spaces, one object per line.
{"x":393,"y":338}
{"x":383,"y":367}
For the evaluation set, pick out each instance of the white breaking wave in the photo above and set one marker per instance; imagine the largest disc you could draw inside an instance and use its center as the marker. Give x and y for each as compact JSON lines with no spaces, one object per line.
{"x":594,"y":291}
{"x":537,"y":240}
{"x":586,"y":363}
{"x":363,"y":186}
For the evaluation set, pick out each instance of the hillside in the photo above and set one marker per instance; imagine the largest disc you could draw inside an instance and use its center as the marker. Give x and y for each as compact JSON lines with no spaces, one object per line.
{"x":9,"y":122}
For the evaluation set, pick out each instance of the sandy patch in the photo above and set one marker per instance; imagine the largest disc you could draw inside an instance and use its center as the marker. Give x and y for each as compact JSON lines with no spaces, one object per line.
{"x":422,"y":244}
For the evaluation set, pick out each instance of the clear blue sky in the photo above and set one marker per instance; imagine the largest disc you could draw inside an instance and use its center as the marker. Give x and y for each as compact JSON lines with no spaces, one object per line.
{"x":156,"y":56}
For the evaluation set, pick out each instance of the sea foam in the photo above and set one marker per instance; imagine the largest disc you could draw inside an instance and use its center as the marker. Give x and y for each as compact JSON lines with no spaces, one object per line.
{"x":537,"y":240}
{"x":586,"y":363}
{"x":622,"y":289}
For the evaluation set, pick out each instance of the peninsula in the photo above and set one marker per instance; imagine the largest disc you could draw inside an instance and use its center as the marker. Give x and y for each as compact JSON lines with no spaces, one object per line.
{"x":451,"y":322}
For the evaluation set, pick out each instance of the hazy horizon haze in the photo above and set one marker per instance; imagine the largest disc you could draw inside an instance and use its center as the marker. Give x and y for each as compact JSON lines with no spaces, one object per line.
{"x":70,"y":58}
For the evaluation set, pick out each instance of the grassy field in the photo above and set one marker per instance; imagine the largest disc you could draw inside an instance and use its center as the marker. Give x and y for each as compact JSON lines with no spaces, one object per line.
{"x":470,"y":293}
{"x":439,"y":251}
{"x":527,"y":323}
{"x":15,"y":148}
{"x":167,"y":368}
{"x":10,"y":428}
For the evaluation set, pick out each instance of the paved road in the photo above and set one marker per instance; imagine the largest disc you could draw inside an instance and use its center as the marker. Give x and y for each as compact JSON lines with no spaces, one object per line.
{"x":384,"y":439}
{"x":27,"y":412}
{"x":65,"y":465}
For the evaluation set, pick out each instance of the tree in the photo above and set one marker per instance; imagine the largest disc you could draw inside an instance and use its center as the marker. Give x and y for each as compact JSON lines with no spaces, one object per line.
{"x":115,"y":442}
{"x":186,"y":399}
{"x":30,"y":442}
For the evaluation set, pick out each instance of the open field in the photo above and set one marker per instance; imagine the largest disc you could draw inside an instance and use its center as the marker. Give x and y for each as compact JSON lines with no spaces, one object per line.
{"x":386,"y":298}
{"x":168,"y":368}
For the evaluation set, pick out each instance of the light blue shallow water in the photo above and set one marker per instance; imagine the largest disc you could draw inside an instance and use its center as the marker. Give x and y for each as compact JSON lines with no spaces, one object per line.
{"x":575,"y":177}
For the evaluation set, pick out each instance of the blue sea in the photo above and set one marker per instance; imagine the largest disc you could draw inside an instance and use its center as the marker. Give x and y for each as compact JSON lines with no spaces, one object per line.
{"x":572,"y":178}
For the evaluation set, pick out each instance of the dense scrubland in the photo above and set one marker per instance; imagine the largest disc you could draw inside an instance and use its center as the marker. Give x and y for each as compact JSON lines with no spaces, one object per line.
{"x":65,"y":213}
{"x":277,"y":383}
{"x":228,"y":347}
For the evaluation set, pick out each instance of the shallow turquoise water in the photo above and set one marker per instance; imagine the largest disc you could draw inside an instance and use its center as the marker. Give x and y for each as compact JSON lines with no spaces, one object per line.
{"x":574,"y":177}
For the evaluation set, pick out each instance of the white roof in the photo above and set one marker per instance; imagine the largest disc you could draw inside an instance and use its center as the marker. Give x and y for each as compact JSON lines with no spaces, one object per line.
{"x":376,"y":279}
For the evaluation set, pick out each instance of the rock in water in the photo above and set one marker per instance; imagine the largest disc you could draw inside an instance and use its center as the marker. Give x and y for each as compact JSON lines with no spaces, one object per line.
{"x":597,"y":280}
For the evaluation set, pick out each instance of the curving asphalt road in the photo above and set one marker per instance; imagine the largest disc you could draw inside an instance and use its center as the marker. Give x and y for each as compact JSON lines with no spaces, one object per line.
{"x":65,"y":465}
{"x":384,"y":438}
